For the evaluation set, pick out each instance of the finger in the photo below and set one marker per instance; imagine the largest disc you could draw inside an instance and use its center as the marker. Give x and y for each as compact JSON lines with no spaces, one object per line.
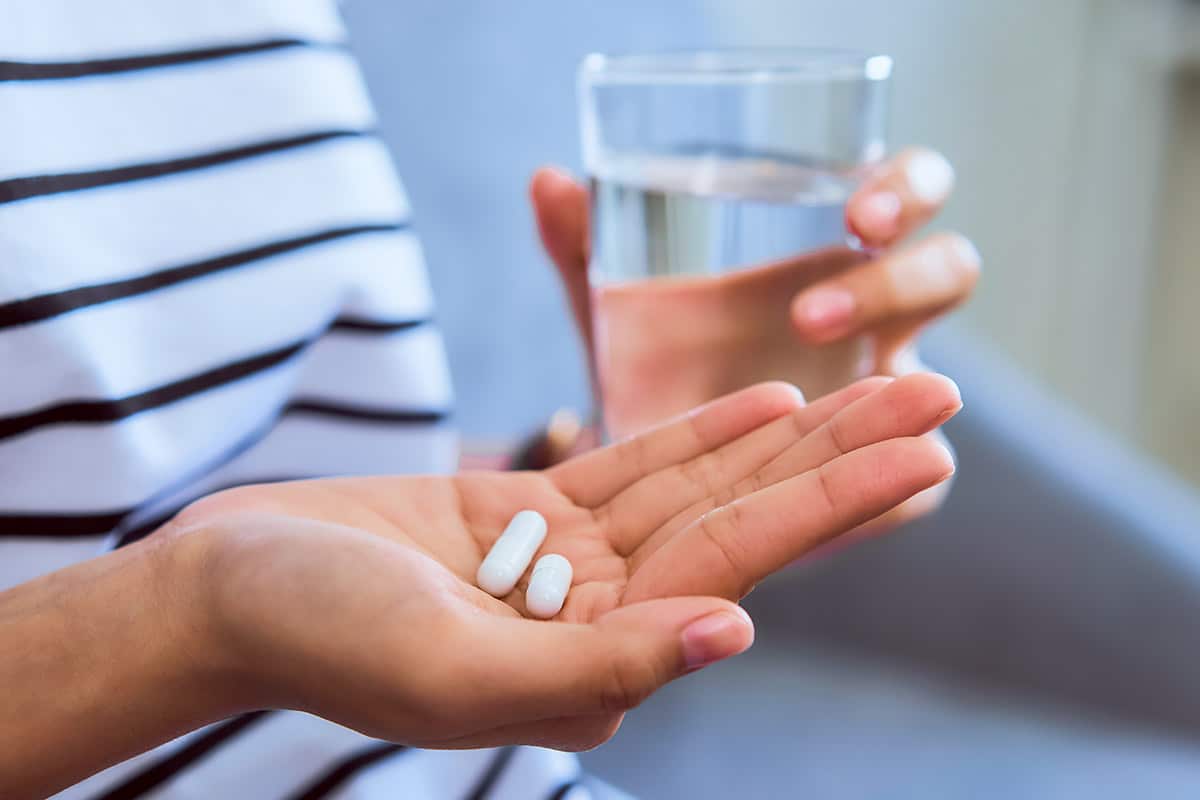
{"x":910,"y":406}
{"x":727,"y":551}
{"x":560,"y":206}
{"x":594,"y":478}
{"x":915,"y":507}
{"x":524,"y":670}
{"x":642,"y":509}
{"x":900,"y":197}
{"x":923,"y":280}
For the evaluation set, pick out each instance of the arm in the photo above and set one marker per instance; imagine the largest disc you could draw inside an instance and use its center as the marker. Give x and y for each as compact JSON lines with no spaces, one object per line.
{"x":354,"y":599}
{"x":101,"y":663}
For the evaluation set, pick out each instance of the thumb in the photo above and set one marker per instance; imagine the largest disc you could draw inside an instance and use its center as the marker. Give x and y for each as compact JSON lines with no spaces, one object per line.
{"x":560,"y":206}
{"x":540,"y":670}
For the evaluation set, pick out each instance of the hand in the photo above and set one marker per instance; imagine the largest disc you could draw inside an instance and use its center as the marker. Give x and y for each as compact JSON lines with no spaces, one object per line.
{"x":354,"y":598}
{"x":888,"y":296}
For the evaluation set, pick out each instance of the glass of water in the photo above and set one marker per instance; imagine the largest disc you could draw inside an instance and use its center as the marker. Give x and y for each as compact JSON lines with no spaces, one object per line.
{"x":718,"y":182}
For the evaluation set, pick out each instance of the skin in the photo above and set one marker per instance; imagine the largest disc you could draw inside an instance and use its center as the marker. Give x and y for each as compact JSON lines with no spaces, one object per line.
{"x":889,"y":292}
{"x":353,"y":599}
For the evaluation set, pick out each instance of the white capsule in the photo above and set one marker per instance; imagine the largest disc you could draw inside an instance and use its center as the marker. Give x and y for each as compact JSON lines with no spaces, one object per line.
{"x":509,"y":557}
{"x":548,"y":586}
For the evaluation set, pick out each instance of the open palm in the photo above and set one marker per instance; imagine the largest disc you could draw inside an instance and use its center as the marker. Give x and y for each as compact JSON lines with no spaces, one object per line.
{"x":656,"y":527}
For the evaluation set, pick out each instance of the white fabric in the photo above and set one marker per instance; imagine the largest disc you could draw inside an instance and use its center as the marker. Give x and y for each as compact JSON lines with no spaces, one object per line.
{"x":380,"y":389}
{"x":271,"y":95}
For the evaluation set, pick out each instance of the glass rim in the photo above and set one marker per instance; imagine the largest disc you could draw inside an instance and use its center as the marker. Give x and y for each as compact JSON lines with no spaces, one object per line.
{"x":734,"y":65}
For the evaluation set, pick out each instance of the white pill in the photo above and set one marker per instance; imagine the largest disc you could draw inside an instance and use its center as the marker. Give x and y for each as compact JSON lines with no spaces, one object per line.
{"x":548,"y":586}
{"x":509,"y":557}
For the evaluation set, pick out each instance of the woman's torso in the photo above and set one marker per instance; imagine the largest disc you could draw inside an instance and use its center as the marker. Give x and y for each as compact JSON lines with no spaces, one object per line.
{"x":208,"y":277}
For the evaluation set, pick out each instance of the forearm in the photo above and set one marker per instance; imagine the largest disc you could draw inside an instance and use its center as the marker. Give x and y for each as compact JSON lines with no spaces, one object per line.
{"x":99,"y":662}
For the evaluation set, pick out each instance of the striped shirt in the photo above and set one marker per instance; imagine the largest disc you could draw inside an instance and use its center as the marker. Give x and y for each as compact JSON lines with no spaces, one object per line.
{"x":209,"y":277}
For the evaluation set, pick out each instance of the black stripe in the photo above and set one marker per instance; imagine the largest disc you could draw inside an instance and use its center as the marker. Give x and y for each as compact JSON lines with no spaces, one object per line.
{"x":97,"y":524}
{"x":377,"y":326}
{"x":83,"y":525}
{"x":327,"y":408}
{"x":150,"y":778}
{"x":15,"y":189}
{"x":492,"y":774}
{"x":83,"y":412}
{"x":561,"y":791}
{"x":60,"y":526}
{"x":55,"y":70}
{"x":53,"y":304}
{"x":345,"y":770}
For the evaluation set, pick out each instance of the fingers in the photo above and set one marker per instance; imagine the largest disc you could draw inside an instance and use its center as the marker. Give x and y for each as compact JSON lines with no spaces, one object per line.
{"x":523,"y":670}
{"x":899,"y":198}
{"x":922,"y":280}
{"x":560,"y":206}
{"x":727,"y":551}
{"x":917,"y":506}
{"x":643,"y":509}
{"x":918,"y":282}
{"x":910,"y":406}
{"x":594,"y":478}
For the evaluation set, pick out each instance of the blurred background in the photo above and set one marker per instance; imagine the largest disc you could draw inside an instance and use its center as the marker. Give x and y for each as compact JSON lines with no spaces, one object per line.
{"x":1037,"y":638}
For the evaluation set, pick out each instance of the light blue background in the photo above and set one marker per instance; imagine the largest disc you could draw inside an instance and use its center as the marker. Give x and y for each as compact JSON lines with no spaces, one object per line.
{"x":474,"y":95}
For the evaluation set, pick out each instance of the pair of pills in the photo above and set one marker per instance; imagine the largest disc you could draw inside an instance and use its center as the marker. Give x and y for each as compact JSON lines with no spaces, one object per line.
{"x":509,"y":557}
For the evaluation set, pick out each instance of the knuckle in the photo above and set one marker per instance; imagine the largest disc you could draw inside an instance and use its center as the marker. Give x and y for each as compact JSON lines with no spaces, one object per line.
{"x":637,"y":451}
{"x":747,"y":486}
{"x":723,"y":497}
{"x":839,"y":436}
{"x":829,"y":493}
{"x":720,"y":527}
{"x":801,"y":425}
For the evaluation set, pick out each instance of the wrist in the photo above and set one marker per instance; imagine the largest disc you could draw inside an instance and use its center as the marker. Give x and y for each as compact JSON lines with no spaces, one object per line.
{"x":186,"y":557}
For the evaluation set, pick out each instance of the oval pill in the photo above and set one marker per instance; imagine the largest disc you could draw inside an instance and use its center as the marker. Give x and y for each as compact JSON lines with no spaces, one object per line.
{"x":548,"y":586}
{"x":509,"y":557}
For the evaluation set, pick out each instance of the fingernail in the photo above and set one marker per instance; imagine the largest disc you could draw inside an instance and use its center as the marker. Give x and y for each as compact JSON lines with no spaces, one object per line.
{"x":933,"y":273}
{"x":950,"y":465}
{"x":879,"y":215}
{"x":956,"y":404}
{"x":717,"y":636}
{"x":968,"y":253}
{"x":826,"y":310}
{"x":930,"y":176}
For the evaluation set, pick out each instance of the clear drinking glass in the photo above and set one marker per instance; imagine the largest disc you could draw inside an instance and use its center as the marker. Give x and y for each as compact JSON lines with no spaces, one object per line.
{"x":714,"y":177}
